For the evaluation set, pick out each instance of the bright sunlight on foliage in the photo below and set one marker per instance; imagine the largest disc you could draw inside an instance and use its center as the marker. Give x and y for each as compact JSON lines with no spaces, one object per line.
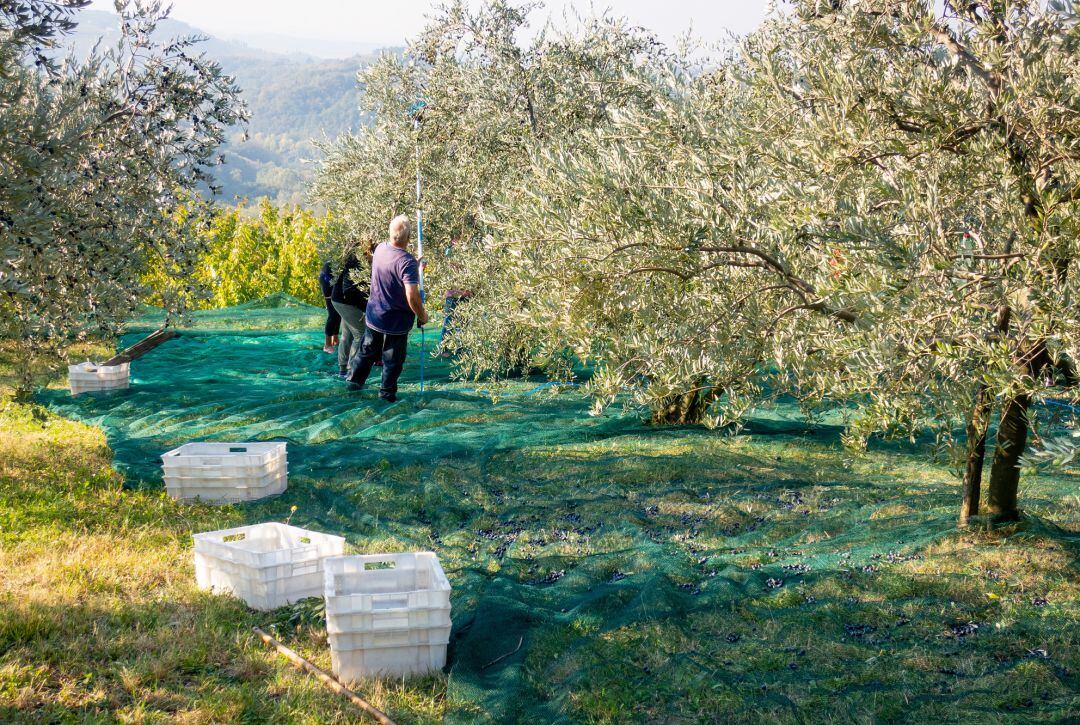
{"x":253,"y":252}
{"x":96,"y":157}
{"x":864,"y":203}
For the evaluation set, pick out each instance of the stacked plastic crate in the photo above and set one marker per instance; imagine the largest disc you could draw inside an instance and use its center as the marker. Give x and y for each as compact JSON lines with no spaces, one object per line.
{"x":387,"y":614}
{"x":267,"y":565}
{"x":90,"y":377}
{"x":225,"y":472}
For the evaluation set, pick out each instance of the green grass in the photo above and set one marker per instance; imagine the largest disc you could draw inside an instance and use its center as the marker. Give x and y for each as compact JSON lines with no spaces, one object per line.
{"x":634,"y":566}
{"x":99,"y":616}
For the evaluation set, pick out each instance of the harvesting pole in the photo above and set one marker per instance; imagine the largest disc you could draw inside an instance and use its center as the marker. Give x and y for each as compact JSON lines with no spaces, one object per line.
{"x":417,"y":111}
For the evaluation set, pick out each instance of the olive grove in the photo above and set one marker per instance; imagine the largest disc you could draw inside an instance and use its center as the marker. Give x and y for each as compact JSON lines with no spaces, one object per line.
{"x":97,"y":155}
{"x":489,"y":105}
{"x":868,"y":204}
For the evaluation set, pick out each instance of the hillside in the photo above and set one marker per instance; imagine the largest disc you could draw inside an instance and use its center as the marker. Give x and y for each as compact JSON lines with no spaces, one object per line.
{"x":292,"y":99}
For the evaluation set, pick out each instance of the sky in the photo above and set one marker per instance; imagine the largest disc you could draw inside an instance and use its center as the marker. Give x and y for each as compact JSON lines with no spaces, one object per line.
{"x":348,"y":25}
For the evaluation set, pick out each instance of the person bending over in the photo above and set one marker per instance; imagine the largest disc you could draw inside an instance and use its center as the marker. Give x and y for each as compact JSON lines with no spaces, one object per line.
{"x":394,"y":305}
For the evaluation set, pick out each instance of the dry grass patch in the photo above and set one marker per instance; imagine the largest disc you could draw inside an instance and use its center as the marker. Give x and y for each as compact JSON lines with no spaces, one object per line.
{"x":99,"y":616}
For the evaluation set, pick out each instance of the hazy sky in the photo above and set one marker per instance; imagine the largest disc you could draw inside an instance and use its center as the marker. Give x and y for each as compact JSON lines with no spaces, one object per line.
{"x":390,"y":22}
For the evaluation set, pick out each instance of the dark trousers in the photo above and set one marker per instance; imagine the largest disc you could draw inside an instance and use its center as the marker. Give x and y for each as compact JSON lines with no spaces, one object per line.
{"x":376,"y":345}
{"x":333,"y":320}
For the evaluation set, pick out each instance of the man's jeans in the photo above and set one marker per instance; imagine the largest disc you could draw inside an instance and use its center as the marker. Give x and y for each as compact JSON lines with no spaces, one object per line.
{"x":391,"y":348}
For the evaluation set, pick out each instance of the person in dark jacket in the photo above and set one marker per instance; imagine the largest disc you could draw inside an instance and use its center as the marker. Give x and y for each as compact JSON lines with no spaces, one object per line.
{"x":333,"y":319}
{"x":349,"y":296}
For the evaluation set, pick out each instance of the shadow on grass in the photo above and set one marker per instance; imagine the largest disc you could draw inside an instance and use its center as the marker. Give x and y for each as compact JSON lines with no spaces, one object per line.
{"x":647,"y":574}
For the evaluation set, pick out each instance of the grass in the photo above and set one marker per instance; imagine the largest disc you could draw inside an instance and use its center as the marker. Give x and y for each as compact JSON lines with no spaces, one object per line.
{"x":99,"y":616}
{"x":673,"y":575}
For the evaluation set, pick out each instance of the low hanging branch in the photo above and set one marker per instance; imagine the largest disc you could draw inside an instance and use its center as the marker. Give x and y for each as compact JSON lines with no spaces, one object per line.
{"x":326,"y":678}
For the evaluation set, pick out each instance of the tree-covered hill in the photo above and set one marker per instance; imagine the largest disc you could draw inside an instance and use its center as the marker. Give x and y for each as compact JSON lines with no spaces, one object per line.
{"x":292,"y":99}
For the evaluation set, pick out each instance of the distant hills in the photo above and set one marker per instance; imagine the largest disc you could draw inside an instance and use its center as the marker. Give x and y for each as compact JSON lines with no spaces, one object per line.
{"x":292,"y":99}
{"x":291,"y":44}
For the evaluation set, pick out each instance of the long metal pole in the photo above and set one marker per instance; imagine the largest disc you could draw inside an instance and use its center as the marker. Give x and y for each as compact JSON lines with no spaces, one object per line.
{"x":419,"y":218}
{"x":420,"y":251}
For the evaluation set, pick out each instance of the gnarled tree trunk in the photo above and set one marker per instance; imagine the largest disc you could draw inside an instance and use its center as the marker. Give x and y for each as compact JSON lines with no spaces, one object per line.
{"x":685,"y":408}
{"x":1005,"y":472}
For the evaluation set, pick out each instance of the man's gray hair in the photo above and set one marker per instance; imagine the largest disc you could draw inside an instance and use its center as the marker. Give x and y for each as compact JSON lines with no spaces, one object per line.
{"x":400,"y":232}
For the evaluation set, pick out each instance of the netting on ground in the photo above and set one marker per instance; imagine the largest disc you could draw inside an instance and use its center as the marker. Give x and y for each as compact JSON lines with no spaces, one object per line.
{"x":568,"y":538}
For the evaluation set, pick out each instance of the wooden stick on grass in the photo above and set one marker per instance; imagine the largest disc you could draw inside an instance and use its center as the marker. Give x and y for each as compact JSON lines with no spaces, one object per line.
{"x":327,"y":679}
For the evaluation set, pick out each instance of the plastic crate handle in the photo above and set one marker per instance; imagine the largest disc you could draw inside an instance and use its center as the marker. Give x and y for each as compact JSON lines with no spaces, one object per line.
{"x":305,"y":567}
{"x":390,"y":559}
{"x":400,"y":621}
{"x":400,"y":600}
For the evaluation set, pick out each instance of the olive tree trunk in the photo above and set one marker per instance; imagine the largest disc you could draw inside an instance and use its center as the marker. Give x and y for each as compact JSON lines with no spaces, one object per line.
{"x":1005,"y":473}
{"x":683,"y":409}
{"x":977,"y":426}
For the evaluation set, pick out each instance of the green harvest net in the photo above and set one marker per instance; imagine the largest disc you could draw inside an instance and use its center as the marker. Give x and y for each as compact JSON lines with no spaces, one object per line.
{"x":560,"y":531}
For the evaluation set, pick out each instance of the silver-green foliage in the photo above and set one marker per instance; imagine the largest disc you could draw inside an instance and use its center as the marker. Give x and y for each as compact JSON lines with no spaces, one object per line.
{"x":838,"y":211}
{"x":97,"y":156}
{"x":491,"y":104}
{"x":869,"y":201}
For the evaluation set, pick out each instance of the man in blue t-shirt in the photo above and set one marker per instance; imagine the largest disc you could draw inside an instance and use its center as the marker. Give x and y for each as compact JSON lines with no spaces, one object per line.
{"x":394,"y":305}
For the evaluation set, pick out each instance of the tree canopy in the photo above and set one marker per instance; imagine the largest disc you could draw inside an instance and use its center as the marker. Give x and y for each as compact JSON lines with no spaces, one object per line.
{"x":868,"y":204}
{"x":254,"y":252}
{"x":97,"y":157}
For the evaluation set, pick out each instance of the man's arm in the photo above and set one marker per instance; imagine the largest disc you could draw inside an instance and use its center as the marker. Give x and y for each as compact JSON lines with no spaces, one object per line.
{"x":412,"y":296}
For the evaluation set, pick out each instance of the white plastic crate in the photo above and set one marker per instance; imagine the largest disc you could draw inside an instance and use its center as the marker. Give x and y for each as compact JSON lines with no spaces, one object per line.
{"x":267,"y":565}
{"x":390,"y":661}
{"x":377,"y":582}
{"x":386,"y":620}
{"x":392,"y":638}
{"x":203,"y":460}
{"x":386,"y":614}
{"x":90,"y":377}
{"x":226,"y":472}
{"x":225,"y":492}
{"x":258,"y":592}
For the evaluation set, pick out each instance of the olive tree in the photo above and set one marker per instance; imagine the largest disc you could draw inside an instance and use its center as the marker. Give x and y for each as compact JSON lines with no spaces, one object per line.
{"x":97,"y":156}
{"x":871,"y":204}
{"x":471,"y":103}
